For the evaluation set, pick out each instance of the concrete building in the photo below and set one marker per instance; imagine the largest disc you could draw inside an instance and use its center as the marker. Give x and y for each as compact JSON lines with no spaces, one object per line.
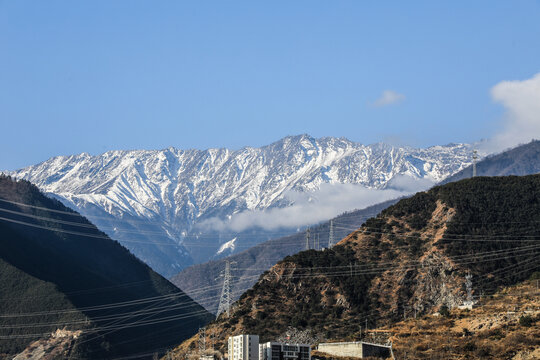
{"x":244,"y":347}
{"x":467,"y":305}
{"x":284,"y":351}
{"x":357,"y":349}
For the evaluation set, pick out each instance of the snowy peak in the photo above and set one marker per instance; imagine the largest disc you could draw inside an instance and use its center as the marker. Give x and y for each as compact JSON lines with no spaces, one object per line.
{"x":166,"y":193}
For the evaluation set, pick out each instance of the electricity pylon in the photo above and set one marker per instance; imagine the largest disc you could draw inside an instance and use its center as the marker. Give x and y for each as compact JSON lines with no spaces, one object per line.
{"x":225,"y":300}
{"x":331,"y":235}
{"x":474,"y":157}
{"x":202,"y":340}
{"x":308,"y":234}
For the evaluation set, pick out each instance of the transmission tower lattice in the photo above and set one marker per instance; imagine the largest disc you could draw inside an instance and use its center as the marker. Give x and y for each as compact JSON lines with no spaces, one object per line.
{"x":202,"y":340}
{"x":225,"y":300}
{"x":474,"y":158}
{"x":468,"y":286}
{"x":331,"y":235}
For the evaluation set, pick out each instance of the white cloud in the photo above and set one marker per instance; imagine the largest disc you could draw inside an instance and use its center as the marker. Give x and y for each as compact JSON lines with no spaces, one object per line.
{"x":312,"y":207}
{"x":389,"y":97}
{"x":522,"y":118}
{"x":409,"y":184}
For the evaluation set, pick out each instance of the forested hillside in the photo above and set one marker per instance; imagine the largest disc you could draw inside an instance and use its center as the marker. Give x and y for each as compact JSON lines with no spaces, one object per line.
{"x":59,"y":271}
{"x":410,"y":259}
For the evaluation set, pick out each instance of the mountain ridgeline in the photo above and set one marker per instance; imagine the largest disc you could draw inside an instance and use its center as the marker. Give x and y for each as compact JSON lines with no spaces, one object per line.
{"x":59,"y":272}
{"x":521,"y":160}
{"x":411,"y":258}
{"x":164,"y":198}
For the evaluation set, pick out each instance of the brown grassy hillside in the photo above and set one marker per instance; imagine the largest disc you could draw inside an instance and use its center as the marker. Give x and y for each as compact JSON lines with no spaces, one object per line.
{"x":503,"y":326}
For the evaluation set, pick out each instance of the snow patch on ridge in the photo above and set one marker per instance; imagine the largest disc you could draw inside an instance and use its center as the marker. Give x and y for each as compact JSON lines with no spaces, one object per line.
{"x":228,"y":246}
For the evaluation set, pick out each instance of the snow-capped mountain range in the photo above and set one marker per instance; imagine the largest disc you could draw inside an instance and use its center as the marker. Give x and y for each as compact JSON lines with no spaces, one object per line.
{"x":154,"y":201}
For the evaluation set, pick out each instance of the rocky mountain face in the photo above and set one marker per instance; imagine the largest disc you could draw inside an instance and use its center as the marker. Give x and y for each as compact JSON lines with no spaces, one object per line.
{"x":414,"y":258}
{"x":75,"y":293}
{"x":154,"y":201}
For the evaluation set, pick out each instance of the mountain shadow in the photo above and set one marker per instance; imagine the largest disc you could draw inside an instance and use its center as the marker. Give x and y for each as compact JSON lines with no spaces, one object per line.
{"x":58,"y":271}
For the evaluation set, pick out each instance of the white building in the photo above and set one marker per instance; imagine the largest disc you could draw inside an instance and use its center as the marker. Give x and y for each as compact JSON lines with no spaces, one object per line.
{"x":244,"y":347}
{"x":284,"y":351}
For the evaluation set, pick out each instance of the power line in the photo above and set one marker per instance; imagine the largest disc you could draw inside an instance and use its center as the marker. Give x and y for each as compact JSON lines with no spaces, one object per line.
{"x":474,"y":258}
{"x":349,"y":228}
{"x":362,"y":229}
{"x":475,"y":157}
{"x":171,"y":318}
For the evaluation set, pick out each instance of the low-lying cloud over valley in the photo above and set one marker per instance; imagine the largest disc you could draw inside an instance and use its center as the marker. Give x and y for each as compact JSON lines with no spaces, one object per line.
{"x":307,"y":208}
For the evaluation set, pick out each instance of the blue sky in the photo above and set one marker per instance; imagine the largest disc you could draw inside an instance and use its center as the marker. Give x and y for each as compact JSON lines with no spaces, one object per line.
{"x":99,"y":75}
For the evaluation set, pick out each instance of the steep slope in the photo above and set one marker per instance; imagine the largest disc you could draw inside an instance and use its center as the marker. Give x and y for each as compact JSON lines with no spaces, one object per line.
{"x":503,"y":326}
{"x":250,"y":264}
{"x":412,"y":258}
{"x":160,"y":198}
{"x":521,"y":160}
{"x":25,"y":286}
{"x":59,"y":271}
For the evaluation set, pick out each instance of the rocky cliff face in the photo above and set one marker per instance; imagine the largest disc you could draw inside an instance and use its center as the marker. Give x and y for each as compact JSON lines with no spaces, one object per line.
{"x":153,"y":201}
{"x":58,"y":345}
